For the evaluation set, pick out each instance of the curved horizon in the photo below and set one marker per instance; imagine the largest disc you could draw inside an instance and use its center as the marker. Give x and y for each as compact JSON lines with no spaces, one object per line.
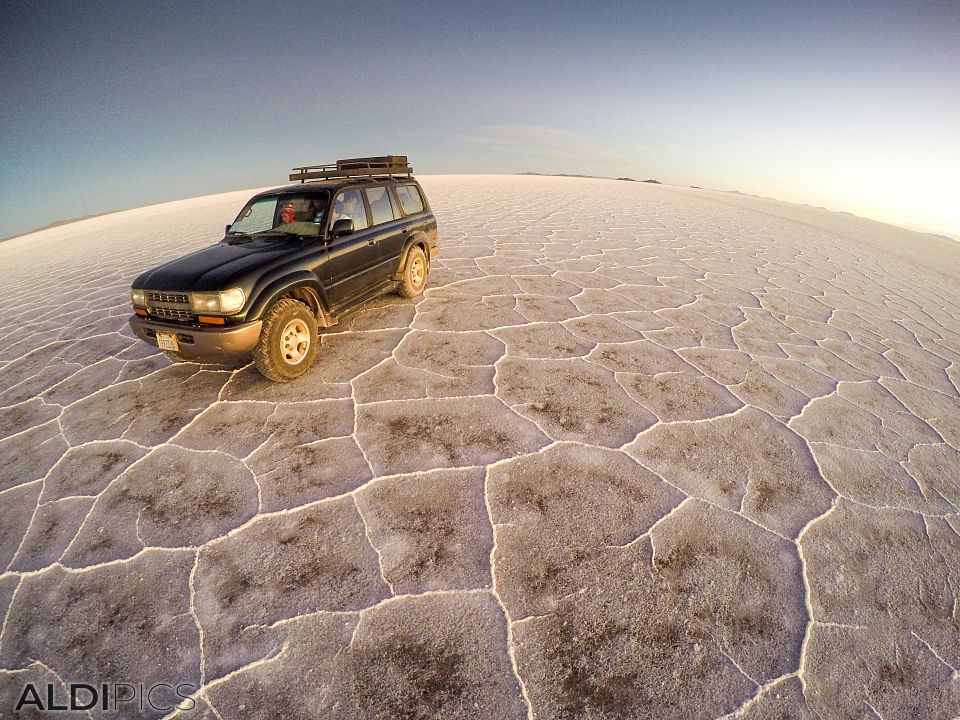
{"x":932,"y":232}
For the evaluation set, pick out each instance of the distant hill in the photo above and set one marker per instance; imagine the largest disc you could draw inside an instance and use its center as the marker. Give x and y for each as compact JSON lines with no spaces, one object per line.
{"x":58,"y":223}
{"x":594,"y":177}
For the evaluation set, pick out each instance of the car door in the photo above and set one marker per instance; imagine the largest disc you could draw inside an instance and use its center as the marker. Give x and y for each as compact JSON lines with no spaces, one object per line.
{"x":354,"y":259}
{"x":389,"y":229}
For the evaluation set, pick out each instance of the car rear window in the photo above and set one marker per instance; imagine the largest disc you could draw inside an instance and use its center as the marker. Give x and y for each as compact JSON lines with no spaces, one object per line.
{"x":410,"y":199}
{"x":381,"y":205}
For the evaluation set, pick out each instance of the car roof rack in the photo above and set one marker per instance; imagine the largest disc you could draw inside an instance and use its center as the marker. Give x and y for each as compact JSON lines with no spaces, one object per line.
{"x":364,"y":167}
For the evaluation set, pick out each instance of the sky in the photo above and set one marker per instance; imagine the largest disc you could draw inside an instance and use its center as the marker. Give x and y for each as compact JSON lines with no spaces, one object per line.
{"x":851,"y":106}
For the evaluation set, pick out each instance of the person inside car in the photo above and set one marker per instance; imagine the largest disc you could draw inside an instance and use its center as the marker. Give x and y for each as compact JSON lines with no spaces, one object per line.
{"x":309,"y":211}
{"x":287,"y":213}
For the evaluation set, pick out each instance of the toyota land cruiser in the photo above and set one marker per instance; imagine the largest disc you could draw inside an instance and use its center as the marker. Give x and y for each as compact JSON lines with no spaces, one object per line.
{"x":296,"y":258}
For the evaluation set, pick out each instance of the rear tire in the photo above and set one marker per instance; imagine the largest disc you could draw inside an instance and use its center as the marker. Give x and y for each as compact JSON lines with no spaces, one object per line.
{"x":288,"y":341}
{"x":414,"y":273}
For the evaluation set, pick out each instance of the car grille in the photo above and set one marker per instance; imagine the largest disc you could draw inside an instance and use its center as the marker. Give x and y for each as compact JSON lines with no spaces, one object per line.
{"x":161,"y":297}
{"x":172,"y":314}
{"x":169,"y":306}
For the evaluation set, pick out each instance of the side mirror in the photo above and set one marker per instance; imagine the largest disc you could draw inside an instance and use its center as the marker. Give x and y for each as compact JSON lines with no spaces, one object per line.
{"x":227,"y":228}
{"x":343,"y":226}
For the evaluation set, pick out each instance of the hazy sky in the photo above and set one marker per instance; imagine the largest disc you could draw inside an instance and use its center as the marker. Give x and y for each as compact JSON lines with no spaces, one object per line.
{"x":854,"y":106}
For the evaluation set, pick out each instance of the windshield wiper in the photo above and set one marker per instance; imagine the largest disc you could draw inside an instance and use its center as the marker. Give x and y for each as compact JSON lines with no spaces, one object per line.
{"x":282,"y":233}
{"x":237,"y":236}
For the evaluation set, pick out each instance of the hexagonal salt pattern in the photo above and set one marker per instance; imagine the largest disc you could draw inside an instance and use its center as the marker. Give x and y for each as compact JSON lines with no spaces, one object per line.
{"x":637,"y":451}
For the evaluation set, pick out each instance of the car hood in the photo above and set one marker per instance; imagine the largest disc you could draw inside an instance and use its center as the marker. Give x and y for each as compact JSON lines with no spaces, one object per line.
{"x":217,"y":267}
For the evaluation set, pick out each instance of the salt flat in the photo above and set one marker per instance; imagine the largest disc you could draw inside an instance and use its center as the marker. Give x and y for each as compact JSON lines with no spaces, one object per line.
{"x":639,"y":451}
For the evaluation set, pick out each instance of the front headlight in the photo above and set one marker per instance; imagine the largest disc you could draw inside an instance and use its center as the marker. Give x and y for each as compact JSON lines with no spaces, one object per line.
{"x":224,"y":302}
{"x":231,"y":300}
{"x":205,"y":303}
{"x":138,"y":297}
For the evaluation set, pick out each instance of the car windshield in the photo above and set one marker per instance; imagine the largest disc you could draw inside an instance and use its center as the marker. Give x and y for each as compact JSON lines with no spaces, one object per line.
{"x":288,"y":213}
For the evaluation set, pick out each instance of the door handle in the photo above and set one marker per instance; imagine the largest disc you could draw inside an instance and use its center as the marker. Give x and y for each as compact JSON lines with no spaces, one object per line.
{"x":371,"y":242}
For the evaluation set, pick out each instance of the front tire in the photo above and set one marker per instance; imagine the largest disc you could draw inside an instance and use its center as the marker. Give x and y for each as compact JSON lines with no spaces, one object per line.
{"x":288,"y":341}
{"x":414,"y":273}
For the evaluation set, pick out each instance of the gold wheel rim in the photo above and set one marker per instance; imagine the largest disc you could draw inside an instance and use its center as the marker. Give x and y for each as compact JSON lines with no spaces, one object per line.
{"x":417,"y":271}
{"x":294,"y":342}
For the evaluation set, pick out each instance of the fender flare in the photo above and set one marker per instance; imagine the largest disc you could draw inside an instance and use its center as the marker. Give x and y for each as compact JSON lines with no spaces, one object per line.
{"x":416,"y":238}
{"x":278,"y":288}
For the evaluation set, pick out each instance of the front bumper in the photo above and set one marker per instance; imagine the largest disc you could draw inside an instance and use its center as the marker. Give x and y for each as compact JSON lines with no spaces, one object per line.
{"x":201,"y":342}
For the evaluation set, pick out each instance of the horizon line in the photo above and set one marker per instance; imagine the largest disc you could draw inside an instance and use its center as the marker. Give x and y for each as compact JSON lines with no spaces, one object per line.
{"x":912,"y":227}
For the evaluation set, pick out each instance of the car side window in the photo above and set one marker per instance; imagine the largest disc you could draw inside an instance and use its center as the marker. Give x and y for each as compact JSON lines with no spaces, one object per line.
{"x":410,"y":199}
{"x":349,"y":204}
{"x":381,"y":205}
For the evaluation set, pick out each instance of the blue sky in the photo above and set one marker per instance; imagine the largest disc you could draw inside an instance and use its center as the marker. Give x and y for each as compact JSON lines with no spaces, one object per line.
{"x":854,"y":106}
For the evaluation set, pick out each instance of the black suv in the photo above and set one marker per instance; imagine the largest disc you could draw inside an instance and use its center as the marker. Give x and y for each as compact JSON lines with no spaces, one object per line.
{"x":295,"y":259}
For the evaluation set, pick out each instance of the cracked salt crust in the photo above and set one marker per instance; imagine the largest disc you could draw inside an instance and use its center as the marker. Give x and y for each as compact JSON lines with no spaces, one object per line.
{"x":637,"y":450}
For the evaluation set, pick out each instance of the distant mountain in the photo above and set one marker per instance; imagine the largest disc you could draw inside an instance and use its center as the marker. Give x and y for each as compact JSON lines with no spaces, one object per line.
{"x":57,"y":223}
{"x":595,"y":177}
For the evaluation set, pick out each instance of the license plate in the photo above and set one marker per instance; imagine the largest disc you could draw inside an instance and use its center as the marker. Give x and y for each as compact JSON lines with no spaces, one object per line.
{"x":166,"y":341}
